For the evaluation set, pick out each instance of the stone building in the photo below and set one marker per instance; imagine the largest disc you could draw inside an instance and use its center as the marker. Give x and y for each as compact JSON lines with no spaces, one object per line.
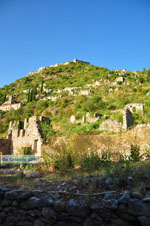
{"x":5,"y":145}
{"x":29,"y":136}
{"x":10,"y":104}
{"x":56,"y":65}
{"x":128,"y":119}
{"x":135,"y":107}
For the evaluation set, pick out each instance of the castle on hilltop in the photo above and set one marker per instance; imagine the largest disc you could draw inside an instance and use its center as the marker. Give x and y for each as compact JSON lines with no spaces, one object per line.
{"x":56,"y":65}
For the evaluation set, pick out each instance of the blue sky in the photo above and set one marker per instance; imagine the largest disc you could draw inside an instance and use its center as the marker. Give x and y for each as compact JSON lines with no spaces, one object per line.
{"x":109,"y":33}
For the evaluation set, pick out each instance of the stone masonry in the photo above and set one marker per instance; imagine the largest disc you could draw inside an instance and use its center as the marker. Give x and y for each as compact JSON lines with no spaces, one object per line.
{"x":56,"y":65}
{"x":10,"y":104}
{"x":135,"y":107}
{"x":30,"y":136}
{"x":128,"y":119}
{"x":34,"y":208}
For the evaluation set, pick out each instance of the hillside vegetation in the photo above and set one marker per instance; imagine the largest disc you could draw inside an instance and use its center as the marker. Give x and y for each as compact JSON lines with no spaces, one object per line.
{"x":75,"y":89}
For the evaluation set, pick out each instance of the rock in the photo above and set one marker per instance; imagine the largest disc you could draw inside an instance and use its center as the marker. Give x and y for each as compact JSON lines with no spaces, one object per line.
{"x":60,"y":224}
{"x":38,"y":222}
{"x":2,"y":191}
{"x":60,"y":206}
{"x":125,"y":197}
{"x":111,"y":183}
{"x":110,"y":201}
{"x":3,"y":215}
{"x":14,"y":194}
{"x":120,"y":222}
{"x":56,"y":196}
{"x":11,"y":220}
{"x":31,"y":173}
{"x":72,"y":119}
{"x":95,"y":206}
{"x":136,"y":195}
{"x":10,"y":171}
{"x":127,"y":217}
{"x":14,"y":203}
{"x":37,"y":213}
{"x":89,"y":222}
{"x":49,"y":213}
{"x":96,"y":218}
{"x":120,"y":79}
{"x":147,"y":199}
{"x":38,"y":193}
{"x":78,"y":208}
{"x":76,"y":219}
{"x":145,"y":221}
{"x":46,"y":202}
{"x":136,"y":208}
{"x":5,"y":202}
{"x":33,"y":202}
{"x":25,"y":195}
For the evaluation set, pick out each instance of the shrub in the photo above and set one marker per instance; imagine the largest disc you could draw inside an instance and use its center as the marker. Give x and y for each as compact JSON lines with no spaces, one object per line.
{"x":91,"y":161}
{"x":135,"y":153}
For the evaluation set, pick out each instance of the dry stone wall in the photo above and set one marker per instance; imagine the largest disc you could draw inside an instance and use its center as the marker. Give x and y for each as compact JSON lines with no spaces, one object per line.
{"x":33,"y":208}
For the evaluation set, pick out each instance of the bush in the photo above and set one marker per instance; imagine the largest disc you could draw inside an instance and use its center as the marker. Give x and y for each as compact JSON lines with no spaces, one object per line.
{"x":91,"y":161}
{"x":135,"y":153}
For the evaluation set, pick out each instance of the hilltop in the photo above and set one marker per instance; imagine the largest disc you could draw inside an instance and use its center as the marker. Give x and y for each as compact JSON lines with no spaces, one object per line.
{"x":69,"y":93}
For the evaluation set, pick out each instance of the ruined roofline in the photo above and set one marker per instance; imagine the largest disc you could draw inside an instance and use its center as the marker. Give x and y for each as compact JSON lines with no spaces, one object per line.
{"x":34,"y":119}
{"x":134,"y":104}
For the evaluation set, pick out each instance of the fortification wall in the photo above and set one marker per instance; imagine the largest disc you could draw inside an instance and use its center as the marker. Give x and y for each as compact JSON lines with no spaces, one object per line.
{"x":56,"y":65}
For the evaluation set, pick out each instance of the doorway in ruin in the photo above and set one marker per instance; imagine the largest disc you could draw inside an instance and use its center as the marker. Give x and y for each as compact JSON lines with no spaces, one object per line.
{"x":35,"y":147}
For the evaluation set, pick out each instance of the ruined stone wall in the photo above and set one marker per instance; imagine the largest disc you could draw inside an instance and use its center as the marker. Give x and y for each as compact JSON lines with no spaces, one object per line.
{"x":7,"y":107}
{"x":128,"y":119}
{"x":34,"y":208}
{"x":56,"y":65}
{"x":10,"y":104}
{"x":135,"y":107}
{"x":29,"y":136}
{"x":5,"y":146}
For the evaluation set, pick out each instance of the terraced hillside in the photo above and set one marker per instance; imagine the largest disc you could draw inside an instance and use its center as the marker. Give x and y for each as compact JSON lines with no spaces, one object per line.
{"x":77,"y":97}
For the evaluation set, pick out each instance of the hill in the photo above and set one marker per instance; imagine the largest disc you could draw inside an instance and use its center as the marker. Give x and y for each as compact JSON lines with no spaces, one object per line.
{"x":79,"y":90}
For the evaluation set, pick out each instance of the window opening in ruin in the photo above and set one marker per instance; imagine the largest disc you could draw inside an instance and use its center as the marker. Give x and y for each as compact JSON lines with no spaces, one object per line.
{"x":134,"y":109}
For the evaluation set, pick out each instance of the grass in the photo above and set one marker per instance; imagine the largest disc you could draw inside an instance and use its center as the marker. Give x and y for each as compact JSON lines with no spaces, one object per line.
{"x":139,"y":171}
{"x":78,"y":75}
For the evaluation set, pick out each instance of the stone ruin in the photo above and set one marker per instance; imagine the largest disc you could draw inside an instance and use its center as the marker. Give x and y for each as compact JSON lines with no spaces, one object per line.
{"x":135,"y":107}
{"x":29,"y":136}
{"x":10,"y":104}
{"x":56,"y":65}
{"x":113,"y":125}
{"x":128,"y":119}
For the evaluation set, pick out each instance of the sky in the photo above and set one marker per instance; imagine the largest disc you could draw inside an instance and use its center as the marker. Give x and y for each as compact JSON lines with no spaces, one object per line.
{"x":108,"y":33}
